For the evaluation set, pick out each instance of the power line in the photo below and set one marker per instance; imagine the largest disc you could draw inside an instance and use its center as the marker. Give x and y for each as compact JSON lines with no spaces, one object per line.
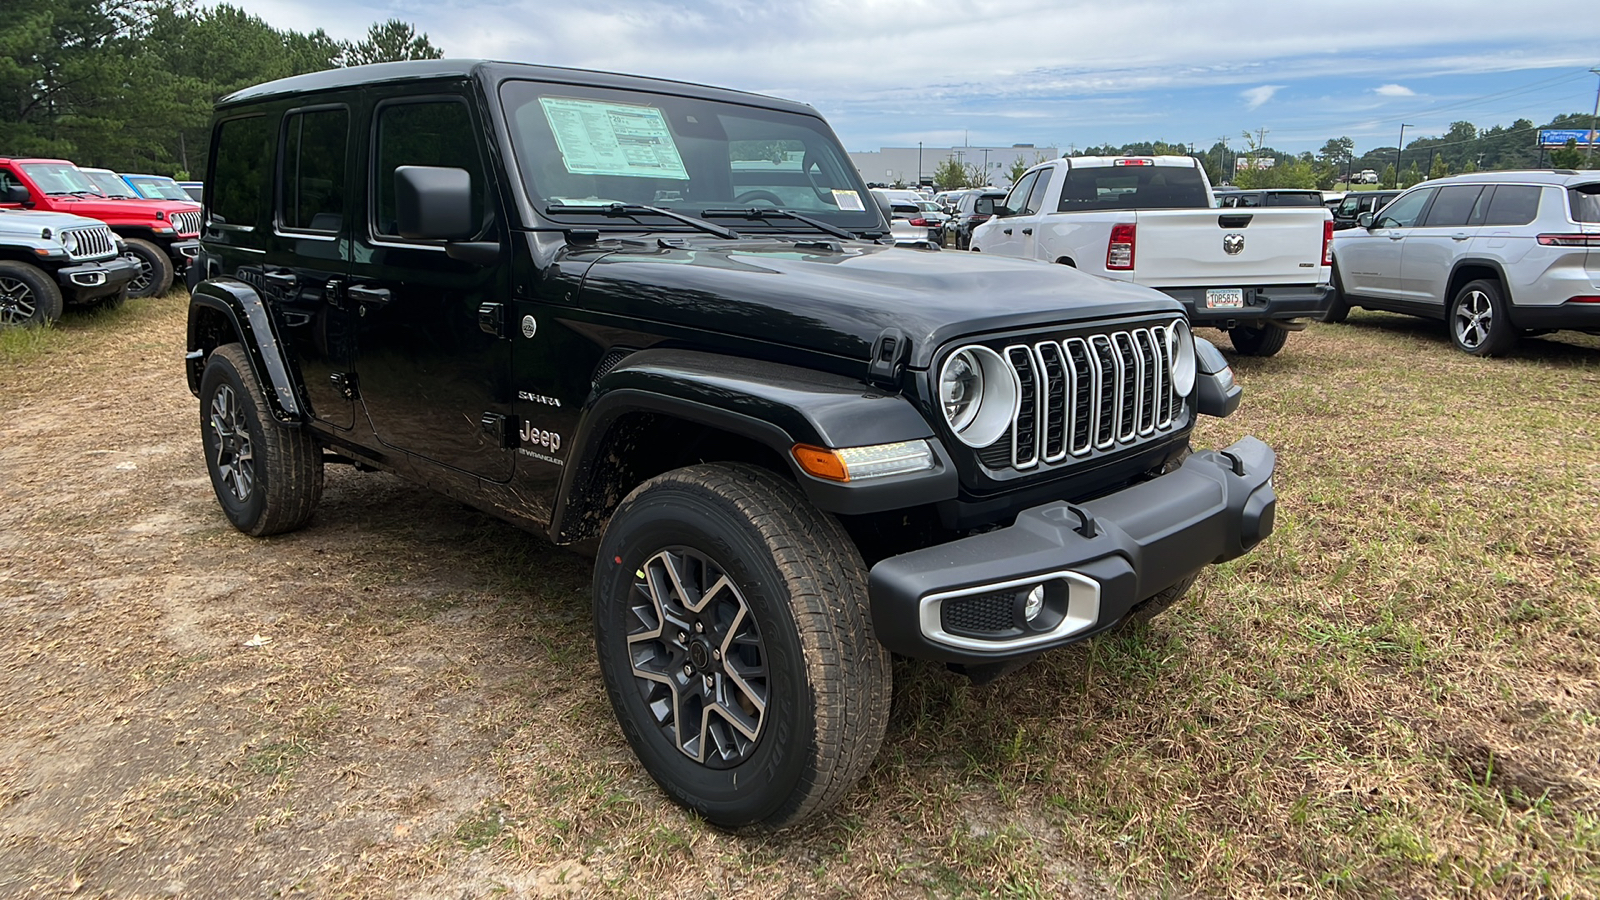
{"x":1497,"y":95}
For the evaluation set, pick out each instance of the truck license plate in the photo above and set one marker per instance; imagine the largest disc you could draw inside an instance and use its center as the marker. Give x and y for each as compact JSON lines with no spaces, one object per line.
{"x":1225,"y":298}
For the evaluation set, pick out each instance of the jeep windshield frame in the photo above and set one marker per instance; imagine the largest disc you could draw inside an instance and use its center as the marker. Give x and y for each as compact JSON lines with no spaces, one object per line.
{"x":591,"y":146}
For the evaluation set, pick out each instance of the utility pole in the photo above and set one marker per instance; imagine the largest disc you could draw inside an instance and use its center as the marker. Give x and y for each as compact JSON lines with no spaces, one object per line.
{"x":1589,"y":155}
{"x":1398,"y":150}
{"x":919,"y":164}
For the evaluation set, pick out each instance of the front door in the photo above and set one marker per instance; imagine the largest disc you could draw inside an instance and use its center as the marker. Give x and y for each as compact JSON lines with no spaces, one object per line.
{"x":433,"y":376}
{"x":1005,"y":234}
{"x":1369,"y":258}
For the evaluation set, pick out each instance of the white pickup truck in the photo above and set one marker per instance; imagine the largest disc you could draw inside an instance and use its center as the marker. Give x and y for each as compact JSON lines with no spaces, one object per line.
{"x":1257,"y":274}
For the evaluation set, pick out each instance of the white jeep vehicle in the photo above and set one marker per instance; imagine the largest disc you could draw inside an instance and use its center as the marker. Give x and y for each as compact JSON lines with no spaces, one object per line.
{"x":1495,"y":254}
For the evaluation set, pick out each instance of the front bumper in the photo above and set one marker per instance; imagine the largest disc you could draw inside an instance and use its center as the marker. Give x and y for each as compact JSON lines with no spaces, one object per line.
{"x":183,"y":253}
{"x":90,"y":281}
{"x":964,"y":601}
{"x":1262,"y":303}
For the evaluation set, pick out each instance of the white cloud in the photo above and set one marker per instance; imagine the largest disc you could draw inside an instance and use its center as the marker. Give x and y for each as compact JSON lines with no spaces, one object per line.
{"x":1256,"y":96}
{"x":1394,"y":90}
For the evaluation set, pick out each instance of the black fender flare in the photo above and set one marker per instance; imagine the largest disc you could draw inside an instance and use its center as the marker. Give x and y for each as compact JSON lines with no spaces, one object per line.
{"x":775,"y":405}
{"x":252,"y":323}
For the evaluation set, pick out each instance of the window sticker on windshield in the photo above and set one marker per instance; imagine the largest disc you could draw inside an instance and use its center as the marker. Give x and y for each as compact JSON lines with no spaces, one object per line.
{"x":613,"y":139}
{"x":848,"y":200}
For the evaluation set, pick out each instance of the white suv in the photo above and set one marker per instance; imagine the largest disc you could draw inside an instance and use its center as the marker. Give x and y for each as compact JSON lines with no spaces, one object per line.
{"x":1494,"y":254}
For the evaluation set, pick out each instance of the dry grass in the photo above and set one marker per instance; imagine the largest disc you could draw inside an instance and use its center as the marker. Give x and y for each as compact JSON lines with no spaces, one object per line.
{"x":1396,"y":695}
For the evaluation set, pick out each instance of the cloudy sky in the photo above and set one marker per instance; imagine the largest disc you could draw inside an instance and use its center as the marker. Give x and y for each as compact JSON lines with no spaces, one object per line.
{"x":1053,"y":72}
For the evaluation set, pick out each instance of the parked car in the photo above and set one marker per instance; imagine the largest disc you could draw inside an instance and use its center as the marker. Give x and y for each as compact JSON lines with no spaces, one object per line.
{"x":911,"y":227}
{"x":160,"y":235}
{"x":1353,"y":204}
{"x":1269,"y":198}
{"x":976,"y":207}
{"x":742,"y":420}
{"x":110,"y":184}
{"x":156,"y":187}
{"x":1153,"y":221}
{"x":1494,"y":254}
{"x":48,"y":259}
{"x":195,"y":189}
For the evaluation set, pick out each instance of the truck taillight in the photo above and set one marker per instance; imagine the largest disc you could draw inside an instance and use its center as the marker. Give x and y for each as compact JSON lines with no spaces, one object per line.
{"x":1570,"y":240}
{"x":1119,"y":253}
{"x":1327,"y":242}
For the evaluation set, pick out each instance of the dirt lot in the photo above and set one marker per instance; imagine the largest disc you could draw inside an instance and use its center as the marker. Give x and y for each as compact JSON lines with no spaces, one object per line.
{"x":1398,"y":695}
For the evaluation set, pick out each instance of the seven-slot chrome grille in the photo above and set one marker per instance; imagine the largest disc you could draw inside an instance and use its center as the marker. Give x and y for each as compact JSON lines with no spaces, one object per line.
{"x":93,"y":242}
{"x":1087,"y":393}
{"x":186,"y":222}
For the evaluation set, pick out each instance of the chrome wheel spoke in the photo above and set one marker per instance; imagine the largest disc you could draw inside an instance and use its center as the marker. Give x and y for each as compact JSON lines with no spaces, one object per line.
{"x":236,"y":463}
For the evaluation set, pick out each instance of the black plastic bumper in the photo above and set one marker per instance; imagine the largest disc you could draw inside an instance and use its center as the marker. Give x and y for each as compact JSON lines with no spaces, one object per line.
{"x":91,"y":281}
{"x":1261,"y":304}
{"x":183,"y":253}
{"x":966,"y":601}
{"x":1576,"y":316}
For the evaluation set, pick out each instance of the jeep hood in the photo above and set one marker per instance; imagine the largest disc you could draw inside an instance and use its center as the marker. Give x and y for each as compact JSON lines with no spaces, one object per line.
{"x":31,"y":222}
{"x":837,"y":297}
{"x":122,"y":209}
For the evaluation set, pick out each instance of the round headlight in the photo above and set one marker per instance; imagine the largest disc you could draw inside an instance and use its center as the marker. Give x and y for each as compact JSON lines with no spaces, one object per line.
{"x":69,"y":241}
{"x":978,"y":394}
{"x":1180,"y":356}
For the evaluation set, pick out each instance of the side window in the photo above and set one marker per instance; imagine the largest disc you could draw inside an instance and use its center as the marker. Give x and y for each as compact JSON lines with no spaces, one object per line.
{"x":1454,"y":206}
{"x":311,"y":195}
{"x":1403,"y":212}
{"x":1017,"y":200}
{"x":1513,"y":204}
{"x":241,"y":169}
{"x":429,"y":133}
{"x":1036,"y":196}
{"x":7,"y":180}
{"x":1350,"y":207}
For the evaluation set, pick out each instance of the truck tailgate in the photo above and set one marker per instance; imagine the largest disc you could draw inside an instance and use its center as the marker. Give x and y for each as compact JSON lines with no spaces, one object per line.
{"x":1190,"y":247}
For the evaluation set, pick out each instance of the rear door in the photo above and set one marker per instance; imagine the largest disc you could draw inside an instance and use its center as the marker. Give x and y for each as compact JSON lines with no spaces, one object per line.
{"x":432,"y":380}
{"x":1441,"y":237}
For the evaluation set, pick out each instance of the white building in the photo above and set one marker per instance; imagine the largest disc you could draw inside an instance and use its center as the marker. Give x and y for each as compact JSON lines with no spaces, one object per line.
{"x":891,"y":165}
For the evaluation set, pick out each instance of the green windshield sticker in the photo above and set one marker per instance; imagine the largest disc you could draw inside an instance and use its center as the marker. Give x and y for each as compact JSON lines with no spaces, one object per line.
{"x":613,"y":139}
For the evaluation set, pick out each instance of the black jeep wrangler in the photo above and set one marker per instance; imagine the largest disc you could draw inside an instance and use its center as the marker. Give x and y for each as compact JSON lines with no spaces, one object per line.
{"x":667,"y":322}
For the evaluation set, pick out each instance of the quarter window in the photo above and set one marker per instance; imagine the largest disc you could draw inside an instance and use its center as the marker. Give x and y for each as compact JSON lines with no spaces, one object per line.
{"x":314,"y":144}
{"x":1513,"y":204}
{"x":433,"y":133}
{"x":1585,"y":200}
{"x":240,"y":171}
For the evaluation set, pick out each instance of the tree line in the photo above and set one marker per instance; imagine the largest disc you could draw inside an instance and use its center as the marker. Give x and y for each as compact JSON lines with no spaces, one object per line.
{"x":129,"y":84}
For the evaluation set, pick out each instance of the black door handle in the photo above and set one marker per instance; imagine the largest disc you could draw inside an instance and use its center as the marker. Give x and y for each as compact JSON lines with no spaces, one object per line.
{"x":281,"y":278}
{"x":1005,"y":231}
{"x":1027,"y":231}
{"x":363,"y":294}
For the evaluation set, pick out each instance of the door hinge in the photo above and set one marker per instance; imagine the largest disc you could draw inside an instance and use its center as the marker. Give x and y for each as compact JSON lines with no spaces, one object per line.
{"x":500,"y":428}
{"x":346,"y":384}
{"x":492,"y":319}
{"x":889,"y":354}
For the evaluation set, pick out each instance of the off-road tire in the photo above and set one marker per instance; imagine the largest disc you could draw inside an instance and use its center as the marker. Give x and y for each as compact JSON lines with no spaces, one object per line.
{"x":277,"y":488}
{"x":1483,"y":303}
{"x":803,"y":585}
{"x":155,"y":275}
{"x":1150,"y":607}
{"x":1258,"y":340}
{"x":1338,"y":307}
{"x":28,"y":296}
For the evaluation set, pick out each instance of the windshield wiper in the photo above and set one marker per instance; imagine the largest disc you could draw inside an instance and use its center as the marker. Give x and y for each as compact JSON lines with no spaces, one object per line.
{"x":764,"y":212}
{"x":633,"y":210}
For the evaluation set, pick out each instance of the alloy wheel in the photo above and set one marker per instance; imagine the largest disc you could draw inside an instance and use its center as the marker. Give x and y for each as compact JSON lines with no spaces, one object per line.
{"x":18,"y":305}
{"x":698,"y":659}
{"x":1474,"y":318}
{"x":236,"y":462}
{"x":141,"y":281}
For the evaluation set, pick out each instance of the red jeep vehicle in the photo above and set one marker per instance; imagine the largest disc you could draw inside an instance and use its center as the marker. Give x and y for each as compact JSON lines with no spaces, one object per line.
{"x":160,"y":234}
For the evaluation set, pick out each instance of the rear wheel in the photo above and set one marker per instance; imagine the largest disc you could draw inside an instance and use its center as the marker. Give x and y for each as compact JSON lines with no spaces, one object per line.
{"x":733,"y":631}
{"x":267,"y":477}
{"x":27,"y":295}
{"x":155,"y":269}
{"x":1258,"y":340}
{"x":1478,"y":321}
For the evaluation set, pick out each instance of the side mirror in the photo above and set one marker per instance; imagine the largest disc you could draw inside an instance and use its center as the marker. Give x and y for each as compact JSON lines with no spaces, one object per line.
{"x":16,"y":193}
{"x":1001,"y":211}
{"x":433,"y":203}
{"x":1364,"y":220}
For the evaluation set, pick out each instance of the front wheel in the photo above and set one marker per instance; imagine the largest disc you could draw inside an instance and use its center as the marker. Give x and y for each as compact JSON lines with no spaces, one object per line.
{"x":1258,"y":340}
{"x":267,"y":477}
{"x":27,"y":295}
{"x":155,"y":268}
{"x":1478,"y":321}
{"x":736,"y":642}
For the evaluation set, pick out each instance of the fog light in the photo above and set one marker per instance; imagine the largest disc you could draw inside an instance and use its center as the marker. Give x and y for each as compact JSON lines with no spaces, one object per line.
{"x":1034,"y":604}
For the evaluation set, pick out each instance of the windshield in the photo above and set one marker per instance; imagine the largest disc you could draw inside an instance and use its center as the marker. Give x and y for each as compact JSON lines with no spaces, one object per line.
{"x":59,"y":178}
{"x":157,"y":187}
{"x":110,"y":184}
{"x":581,"y":146}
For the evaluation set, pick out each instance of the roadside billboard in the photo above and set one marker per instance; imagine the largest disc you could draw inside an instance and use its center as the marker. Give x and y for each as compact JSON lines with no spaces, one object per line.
{"x":1558,"y":137}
